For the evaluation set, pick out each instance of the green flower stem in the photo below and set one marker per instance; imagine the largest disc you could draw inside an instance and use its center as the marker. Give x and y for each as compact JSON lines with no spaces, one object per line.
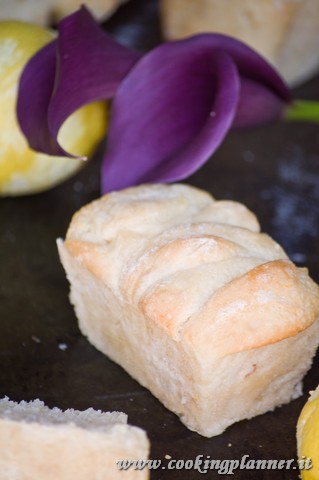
{"x":302,"y":111}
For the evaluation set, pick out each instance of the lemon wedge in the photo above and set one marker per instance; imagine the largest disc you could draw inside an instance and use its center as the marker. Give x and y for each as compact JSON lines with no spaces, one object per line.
{"x":308,"y":438}
{"x":23,"y":171}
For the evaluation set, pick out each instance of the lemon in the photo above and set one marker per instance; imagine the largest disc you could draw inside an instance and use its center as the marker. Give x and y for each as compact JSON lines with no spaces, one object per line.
{"x":308,"y":438}
{"x":23,"y":171}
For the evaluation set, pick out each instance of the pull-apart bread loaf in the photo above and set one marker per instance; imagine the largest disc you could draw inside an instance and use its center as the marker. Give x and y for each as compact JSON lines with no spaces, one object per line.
{"x":39,"y":443}
{"x":193,"y":301}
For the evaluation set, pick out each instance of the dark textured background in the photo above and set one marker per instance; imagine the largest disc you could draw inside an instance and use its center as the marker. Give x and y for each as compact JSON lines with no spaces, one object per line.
{"x":273,"y":170}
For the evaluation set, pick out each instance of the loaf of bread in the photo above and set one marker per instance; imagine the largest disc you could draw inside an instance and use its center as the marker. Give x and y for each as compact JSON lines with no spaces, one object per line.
{"x":45,"y":12}
{"x":193,"y":301}
{"x":38,"y":443}
{"x":284,"y":31}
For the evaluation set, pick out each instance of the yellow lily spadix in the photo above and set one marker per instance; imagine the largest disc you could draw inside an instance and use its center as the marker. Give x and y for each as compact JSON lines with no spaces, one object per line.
{"x":22,"y":170}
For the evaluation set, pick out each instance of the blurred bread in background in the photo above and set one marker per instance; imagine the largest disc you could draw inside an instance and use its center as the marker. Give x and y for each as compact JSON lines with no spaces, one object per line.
{"x":45,"y":12}
{"x":286,"y":32}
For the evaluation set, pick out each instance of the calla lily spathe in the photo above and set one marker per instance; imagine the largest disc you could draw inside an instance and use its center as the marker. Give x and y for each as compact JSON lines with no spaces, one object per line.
{"x":172,"y":107}
{"x":83,"y":65}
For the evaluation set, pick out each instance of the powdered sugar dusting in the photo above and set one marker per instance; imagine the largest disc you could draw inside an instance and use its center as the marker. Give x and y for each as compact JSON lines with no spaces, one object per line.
{"x":263,"y":277}
{"x":231,"y":309}
{"x":265,"y":296}
{"x":295,"y":201}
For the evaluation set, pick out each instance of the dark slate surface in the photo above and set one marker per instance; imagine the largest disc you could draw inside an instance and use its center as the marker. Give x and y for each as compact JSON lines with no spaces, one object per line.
{"x":273,"y":170}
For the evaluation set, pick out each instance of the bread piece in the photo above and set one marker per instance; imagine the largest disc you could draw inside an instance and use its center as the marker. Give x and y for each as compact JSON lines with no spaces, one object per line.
{"x":284,"y":31}
{"x":193,"y":301}
{"x":38,"y":443}
{"x":44,"y":12}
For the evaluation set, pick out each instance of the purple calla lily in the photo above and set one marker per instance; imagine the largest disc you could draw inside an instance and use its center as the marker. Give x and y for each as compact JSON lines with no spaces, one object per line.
{"x":83,"y":65}
{"x":172,"y":108}
{"x":175,"y":107}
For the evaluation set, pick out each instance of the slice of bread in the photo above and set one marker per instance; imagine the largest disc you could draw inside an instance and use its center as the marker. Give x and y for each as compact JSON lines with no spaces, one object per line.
{"x":39,"y":443}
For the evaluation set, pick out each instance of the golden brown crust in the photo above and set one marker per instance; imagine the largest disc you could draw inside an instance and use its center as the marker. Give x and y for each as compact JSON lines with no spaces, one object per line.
{"x":269,"y":303}
{"x":238,"y":308}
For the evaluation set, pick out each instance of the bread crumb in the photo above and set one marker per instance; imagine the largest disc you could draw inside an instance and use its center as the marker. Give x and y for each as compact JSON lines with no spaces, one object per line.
{"x":63,"y":346}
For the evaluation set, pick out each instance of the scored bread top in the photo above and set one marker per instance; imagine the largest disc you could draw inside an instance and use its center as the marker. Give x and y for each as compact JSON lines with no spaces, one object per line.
{"x":198,"y":268}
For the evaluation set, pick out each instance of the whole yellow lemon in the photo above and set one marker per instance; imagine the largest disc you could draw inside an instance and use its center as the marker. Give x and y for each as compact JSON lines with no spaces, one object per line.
{"x":23,"y":171}
{"x":308,"y":438}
